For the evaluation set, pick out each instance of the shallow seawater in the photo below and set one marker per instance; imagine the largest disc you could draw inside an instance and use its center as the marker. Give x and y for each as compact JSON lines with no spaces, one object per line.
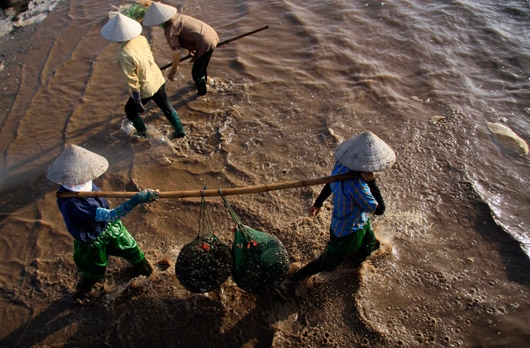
{"x":425,"y":77}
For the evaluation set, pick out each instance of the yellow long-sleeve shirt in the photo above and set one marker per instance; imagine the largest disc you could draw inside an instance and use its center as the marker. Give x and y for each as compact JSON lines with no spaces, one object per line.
{"x":136,"y":61}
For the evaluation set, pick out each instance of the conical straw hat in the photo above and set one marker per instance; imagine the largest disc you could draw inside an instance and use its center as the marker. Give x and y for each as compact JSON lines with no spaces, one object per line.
{"x":121,"y":28}
{"x":76,"y":165}
{"x":365,"y":152}
{"x":158,"y":13}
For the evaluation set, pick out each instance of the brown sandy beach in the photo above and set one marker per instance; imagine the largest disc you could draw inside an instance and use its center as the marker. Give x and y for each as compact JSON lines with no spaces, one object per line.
{"x":446,"y":275}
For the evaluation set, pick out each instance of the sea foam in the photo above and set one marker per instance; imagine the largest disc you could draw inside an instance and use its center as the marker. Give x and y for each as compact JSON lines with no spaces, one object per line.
{"x":37,"y":12}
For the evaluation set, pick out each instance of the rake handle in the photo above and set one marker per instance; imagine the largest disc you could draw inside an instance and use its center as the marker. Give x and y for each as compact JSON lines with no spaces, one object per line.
{"x":218,"y":45}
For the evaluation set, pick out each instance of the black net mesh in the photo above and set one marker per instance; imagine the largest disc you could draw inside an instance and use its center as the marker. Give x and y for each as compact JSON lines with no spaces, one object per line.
{"x":204,"y":264}
{"x":261,"y":261}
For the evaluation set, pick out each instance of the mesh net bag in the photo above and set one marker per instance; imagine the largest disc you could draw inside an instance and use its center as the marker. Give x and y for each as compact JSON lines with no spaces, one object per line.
{"x":206,"y":262}
{"x":261,"y":261}
{"x":137,"y":12}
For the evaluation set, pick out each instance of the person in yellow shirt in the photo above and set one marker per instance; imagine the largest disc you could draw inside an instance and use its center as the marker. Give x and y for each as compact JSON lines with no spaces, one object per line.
{"x":143,"y":76}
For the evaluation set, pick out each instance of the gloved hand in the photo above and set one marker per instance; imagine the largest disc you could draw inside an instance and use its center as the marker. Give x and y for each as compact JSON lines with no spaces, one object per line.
{"x":138,"y":102}
{"x":146,"y":196}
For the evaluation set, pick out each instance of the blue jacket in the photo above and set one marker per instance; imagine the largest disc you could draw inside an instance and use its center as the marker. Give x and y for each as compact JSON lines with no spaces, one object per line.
{"x":79,"y":215}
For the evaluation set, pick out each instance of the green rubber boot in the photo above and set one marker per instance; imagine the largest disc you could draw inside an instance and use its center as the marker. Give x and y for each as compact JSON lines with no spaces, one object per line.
{"x":200,"y":83}
{"x":143,"y":267}
{"x":139,"y":124}
{"x":84,"y":286}
{"x":174,"y":119}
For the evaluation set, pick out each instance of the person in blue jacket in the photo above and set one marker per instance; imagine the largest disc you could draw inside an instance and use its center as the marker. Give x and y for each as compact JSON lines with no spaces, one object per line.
{"x":96,"y":229}
{"x":351,"y":234}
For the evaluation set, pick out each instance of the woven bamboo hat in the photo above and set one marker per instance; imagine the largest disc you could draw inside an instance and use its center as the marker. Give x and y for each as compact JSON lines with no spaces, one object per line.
{"x":158,"y":13}
{"x":365,"y":152}
{"x":121,"y":28}
{"x":76,"y":165}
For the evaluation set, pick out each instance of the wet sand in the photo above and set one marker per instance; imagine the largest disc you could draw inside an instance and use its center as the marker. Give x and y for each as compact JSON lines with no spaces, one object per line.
{"x":446,"y":274}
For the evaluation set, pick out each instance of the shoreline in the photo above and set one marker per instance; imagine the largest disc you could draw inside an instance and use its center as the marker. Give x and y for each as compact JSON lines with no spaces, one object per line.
{"x":17,"y":6}
{"x":447,"y":273}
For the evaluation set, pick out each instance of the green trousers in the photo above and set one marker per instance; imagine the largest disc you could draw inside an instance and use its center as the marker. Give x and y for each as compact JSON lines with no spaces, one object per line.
{"x":92,"y":258}
{"x":357,"y":245}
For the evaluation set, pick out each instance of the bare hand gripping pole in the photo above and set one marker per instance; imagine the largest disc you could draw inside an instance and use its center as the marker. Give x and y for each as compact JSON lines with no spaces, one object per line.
{"x":226,"y":192}
{"x":219,"y":44}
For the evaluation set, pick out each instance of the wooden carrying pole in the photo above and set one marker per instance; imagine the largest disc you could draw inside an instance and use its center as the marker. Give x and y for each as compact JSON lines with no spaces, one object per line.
{"x":226,"y":192}
{"x":218,"y":45}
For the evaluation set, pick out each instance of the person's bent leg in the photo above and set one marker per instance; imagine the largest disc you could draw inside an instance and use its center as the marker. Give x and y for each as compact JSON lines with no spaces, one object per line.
{"x":327,"y":261}
{"x":308,"y":270}
{"x":134,"y":117}
{"x":143,"y":267}
{"x":123,"y":245}
{"x":369,"y":243}
{"x":199,"y":72}
{"x":91,"y":259}
{"x":160,"y":98}
{"x":337,"y":250}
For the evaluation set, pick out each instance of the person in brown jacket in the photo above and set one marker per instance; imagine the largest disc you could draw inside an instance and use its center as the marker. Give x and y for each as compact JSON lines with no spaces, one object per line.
{"x":183,"y":31}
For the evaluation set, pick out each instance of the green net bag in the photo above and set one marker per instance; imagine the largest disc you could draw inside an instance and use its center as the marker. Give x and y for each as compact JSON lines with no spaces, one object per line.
{"x":261,"y":261}
{"x":137,"y":12}
{"x":206,"y":262}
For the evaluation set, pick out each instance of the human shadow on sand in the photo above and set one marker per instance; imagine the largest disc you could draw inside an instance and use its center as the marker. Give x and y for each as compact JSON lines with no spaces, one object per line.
{"x":138,"y":316}
{"x":132,"y":319}
{"x":257,"y":327}
{"x":65,"y":320}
